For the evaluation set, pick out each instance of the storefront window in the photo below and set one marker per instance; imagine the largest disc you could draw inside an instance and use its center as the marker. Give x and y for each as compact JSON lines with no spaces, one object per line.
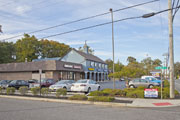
{"x":70,"y":75}
{"x":92,"y":64}
{"x":99,"y":65}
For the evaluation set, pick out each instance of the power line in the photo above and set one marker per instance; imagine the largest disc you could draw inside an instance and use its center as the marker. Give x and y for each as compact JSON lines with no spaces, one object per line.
{"x":102,"y":24}
{"x":82,"y":19}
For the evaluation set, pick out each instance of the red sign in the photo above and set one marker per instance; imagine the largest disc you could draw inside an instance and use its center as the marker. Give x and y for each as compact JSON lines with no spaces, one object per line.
{"x":151,"y":93}
{"x":77,"y":67}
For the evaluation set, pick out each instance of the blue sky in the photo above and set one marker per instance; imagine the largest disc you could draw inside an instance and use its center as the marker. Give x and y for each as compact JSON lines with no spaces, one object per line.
{"x":137,"y":37}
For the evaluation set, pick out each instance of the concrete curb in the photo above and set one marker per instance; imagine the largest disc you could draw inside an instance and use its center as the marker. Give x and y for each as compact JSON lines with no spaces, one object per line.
{"x":69,"y":101}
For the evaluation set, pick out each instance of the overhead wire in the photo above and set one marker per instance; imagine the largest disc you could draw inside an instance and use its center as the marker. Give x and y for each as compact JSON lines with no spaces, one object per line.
{"x":102,"y":24}
{"x":82,"y":19}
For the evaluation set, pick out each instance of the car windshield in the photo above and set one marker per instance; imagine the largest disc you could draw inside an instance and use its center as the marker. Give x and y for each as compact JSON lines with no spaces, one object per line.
{"x":81,"y":81}
{"x":13,"y":82}
{"x":63,"y":82}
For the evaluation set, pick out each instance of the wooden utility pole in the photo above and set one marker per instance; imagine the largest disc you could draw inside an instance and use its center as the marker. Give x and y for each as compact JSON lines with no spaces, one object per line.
{"x":171,"y":50}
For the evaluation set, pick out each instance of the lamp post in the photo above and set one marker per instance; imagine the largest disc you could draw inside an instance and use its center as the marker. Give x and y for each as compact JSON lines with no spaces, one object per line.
{"x":111,"y":10}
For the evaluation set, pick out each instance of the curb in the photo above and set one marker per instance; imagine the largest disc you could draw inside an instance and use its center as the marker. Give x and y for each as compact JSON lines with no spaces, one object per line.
{"x":70,"y":101}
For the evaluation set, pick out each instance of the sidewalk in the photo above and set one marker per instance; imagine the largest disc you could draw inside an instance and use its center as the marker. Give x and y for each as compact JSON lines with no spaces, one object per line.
{"x":137,"y":102}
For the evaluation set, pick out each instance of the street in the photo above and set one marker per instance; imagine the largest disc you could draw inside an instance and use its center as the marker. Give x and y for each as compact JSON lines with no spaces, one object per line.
{"x":177,"y":84}
{"x":109,"y":84}
{"x":12,"y":109}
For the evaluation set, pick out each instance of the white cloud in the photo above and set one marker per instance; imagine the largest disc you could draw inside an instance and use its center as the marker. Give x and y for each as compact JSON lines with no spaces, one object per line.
{"x":21,"y":10}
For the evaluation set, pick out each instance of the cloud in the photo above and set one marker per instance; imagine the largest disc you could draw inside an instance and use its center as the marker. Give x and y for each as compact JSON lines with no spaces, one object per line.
{"x":21,"y":10}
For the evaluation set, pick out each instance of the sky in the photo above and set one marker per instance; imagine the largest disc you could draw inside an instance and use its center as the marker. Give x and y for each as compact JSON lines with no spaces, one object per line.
{"x":139,"y":38}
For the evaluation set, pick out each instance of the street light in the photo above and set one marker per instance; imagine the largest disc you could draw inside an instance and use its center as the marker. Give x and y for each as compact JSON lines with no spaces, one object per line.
{"x":111,"y":10}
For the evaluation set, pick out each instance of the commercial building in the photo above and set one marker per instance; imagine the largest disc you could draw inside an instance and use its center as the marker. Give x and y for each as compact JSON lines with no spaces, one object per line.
{"x":74,"y":65}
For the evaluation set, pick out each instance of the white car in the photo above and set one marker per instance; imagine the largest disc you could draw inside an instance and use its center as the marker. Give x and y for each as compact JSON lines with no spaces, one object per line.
{"x":85,"y":85}
{"x":66,"y":84}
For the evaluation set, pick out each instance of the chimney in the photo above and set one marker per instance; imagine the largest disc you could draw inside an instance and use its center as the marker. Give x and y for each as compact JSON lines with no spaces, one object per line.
{"x":86,"y":48}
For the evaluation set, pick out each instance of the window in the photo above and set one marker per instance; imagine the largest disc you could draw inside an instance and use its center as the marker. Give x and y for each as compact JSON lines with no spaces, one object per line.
{"x":103,"y":66}
{"x":92,"y":64}
{"x":106,"y":67}
{"x":99,"y":65}
{"x":96,"y":64}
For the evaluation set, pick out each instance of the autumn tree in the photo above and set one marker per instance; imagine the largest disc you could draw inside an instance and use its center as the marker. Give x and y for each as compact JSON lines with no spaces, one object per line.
{"x":7,"y":52}
{"x":49,"y":49}
{"x":27,"y":47}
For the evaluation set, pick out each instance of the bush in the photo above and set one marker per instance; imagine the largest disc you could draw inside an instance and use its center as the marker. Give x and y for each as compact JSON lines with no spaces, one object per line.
{"x":1,"y":90}
{"x":118,"y":92}
{"x":78,"y":97}
{"x":10,"y":90}
{"x":141,"y":88}
{"x":45,"y":91}
{"x":23,"y":90}
{"x":35,"y":90}
{"x":108,"y":92}
{"x":96,"y":93}
{"x":166,"y":83}
{"x":101,"y":99}
{"x":61,"y":91}
{"x":135,"y":94}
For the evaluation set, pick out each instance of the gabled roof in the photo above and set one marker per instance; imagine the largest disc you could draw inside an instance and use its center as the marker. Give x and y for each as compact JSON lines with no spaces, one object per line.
{"x":89,"y":56}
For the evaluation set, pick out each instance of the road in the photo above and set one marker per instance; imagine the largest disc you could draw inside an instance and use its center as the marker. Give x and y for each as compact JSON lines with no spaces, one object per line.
{"x":12,"y":109}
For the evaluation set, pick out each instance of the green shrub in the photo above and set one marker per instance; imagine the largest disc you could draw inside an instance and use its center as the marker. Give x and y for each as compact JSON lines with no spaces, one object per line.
{"x":166,"y":83}
{"x":61,"y":91}
{"x":23,"y":90}
{"x":141,"y":88}
{"x":45,"y":91}
{"x":101,"y":99}
{"x":1,"y":90}
{"x":108,"y":92}
{"x":96,"y":93}
{"x":118,"y":92}
{"x":78,"y":97}
{"x":10,"y":90}
{"x":135,"y":94}
{"x":35,"y":90}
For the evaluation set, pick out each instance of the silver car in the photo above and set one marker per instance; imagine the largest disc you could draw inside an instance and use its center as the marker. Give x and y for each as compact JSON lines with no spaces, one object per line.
{"x":142,"y":82}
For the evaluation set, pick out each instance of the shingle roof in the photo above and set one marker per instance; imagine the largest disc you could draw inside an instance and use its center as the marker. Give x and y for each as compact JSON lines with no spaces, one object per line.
{"x":89,"y":56}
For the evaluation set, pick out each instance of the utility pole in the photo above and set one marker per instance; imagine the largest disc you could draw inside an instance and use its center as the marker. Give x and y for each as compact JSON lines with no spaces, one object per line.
{"x":171,"y":50}
{"x":112,"y":43}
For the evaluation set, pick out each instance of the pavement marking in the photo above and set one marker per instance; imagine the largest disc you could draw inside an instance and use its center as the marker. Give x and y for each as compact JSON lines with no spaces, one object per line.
{"x":162,"y":104}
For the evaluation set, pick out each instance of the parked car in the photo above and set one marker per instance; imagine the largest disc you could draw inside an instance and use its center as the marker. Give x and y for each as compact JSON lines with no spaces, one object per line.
{"x":142,"y":82}
{"x":18,"y":83}
{"x":4,"y":83}
{"x":32,"y":83}
{"x":85,"y":85}
{"x":45,"y":82}
{"x":66,"y":84}
{"x":152,"y":79}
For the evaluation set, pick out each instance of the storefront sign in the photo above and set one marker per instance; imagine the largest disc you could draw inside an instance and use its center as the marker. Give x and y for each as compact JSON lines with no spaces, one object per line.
{"x":68,"y":66}
{"x":152,"y":93}
{"x":77,"y":67}
{"x":91,"y":69}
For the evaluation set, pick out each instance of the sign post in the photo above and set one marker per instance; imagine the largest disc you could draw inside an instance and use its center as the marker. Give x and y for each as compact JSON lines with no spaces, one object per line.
{"x":161,"y":68}
{"x":40,"y":72}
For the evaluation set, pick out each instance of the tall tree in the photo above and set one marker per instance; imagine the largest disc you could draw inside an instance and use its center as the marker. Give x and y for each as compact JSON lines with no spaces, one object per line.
{"x":157,"y":62}
{"x":177,"y":69}
{"x":27,"y":47}
{"x":7,"y":52}
{"x":131,"y":59}
{"x":49,"y":49}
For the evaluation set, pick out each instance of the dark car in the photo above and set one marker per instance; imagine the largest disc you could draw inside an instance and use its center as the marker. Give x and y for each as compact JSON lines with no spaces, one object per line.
{"x":18,"y":83}
{"x":45,"y":82}
{"x":4,"y":83}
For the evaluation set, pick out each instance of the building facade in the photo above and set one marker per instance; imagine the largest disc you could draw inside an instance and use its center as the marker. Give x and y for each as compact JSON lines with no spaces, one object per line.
{"x":93,"y":67}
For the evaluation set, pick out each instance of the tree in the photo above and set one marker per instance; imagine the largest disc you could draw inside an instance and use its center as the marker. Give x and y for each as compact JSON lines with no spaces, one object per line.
{"x":49,"y":49}
{"x":157,"y":62}
{"x":131,"y":59}
{"x":117,"y":66}
{"x":7,"y":52}
{"x":177,"y":69}
{"x":27,"y":47}
{"x":147,"y":62}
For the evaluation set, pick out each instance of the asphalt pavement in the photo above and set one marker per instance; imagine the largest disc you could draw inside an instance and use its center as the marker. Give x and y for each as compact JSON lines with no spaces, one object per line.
{"x":13,"y":109}
{"x":109,"y":84}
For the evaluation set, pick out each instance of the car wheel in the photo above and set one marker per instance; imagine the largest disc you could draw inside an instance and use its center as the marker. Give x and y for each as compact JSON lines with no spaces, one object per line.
{"x":64,"y":88}
{"x":151,"y":86}
{"x":99,"y":88}
{"x":89,"y":90}
{"x":131,"y":86}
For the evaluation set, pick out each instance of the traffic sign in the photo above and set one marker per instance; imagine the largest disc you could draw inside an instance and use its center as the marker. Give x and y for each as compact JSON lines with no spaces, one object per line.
{"x":160,"y":67}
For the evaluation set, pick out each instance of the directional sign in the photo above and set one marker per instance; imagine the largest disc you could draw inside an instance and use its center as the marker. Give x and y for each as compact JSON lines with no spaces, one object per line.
{"x":160,"y":67}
